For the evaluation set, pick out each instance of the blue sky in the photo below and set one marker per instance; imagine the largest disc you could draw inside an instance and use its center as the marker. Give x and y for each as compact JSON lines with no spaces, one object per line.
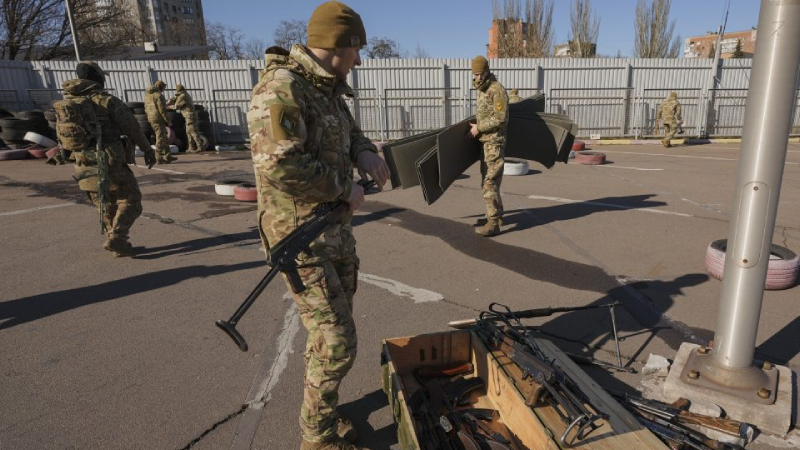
{"x":459,"y":28}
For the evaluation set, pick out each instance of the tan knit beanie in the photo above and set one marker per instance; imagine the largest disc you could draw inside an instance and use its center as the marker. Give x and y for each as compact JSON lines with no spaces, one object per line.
{"x":335,"y":25}
{"x":480,"y":65}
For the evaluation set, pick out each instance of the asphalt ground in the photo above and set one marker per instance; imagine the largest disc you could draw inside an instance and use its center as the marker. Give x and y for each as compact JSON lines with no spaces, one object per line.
{"x":101,"y":352}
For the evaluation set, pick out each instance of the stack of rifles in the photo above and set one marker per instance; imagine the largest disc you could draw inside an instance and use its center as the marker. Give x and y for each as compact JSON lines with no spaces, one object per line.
{"x":434,"y":159}
{"x":446,"y":417}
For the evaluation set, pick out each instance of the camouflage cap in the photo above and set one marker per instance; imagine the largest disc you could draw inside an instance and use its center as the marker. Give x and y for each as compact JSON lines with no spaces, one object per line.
{"x":160,"y":84}
{"x":673,"y":95}
{"x":480,"y":64}
{"x":515,"y":91}
{"x":179,"y":87}
{"x":335,"y":25}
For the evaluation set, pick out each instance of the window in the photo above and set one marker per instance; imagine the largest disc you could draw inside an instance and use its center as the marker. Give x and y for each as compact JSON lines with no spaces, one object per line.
{"x":174,"y":9}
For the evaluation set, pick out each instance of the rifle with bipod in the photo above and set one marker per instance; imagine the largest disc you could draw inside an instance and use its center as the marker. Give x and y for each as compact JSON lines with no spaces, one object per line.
{"x":103,"y":183}
{"x":551,"y":385}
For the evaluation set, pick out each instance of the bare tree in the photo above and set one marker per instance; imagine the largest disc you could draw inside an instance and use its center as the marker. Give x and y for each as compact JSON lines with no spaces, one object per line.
{"x":290,"y":32}
{"x":254,"y":48}
{"x":382,"y":48}
{"x":523,"y":31}
{"x":585,"y":29}
{"x":420,"y":53}
{"x":39,"y":29}
{"x":227,"y":42}
{"x":654,"y":31}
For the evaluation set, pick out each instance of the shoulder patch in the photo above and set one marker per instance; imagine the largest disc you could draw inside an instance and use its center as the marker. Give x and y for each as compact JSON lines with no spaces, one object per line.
{"x":499,"y":105}
{"x":284,"y":120}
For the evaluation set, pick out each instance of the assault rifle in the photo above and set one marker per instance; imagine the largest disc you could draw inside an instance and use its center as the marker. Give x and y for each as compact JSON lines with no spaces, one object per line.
{"x":103,"y":184}
{"x":551,"y":385}
{"x":282,"y":258}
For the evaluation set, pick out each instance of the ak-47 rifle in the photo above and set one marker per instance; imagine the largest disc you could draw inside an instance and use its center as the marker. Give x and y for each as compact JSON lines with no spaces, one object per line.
{"x":282,"y":258}
{"x":683,"y":417}
{"x":103,"y":183}
{"x":553,"y":386}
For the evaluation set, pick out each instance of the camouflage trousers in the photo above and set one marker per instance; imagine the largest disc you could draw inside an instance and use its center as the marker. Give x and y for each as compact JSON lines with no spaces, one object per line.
{"x":162,"y":145}
{"x":192,"y":138}
{"x":124,"y":206}
{"x":670,"y":128}
{"x":326,"y":309}
{"x":491,"y":177}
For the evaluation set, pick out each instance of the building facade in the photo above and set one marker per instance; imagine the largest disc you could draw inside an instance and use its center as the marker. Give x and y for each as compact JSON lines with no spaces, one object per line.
{"x":703,"y":46}
{"x":169,"y":22}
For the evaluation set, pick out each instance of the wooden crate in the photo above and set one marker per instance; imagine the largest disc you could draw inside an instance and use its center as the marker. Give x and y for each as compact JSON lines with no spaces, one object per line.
{"x":534,"y":429}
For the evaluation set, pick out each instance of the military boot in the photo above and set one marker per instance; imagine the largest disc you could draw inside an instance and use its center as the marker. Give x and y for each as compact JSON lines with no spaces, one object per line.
{"x":337,"y":443}
{"x":482,"y":221}
{"x":492,"y":228}
{"x":120,"y":247}
{"x":346,"y":430}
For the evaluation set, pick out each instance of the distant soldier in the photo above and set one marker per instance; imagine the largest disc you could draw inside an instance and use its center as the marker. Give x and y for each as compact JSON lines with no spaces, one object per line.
{"x":514,"y":96}
{"x":492,"y":121}
{"x":670,"y":113}
{"x":156,"y":109}
{"x":88,"y":115}
{"x":184,"y":104}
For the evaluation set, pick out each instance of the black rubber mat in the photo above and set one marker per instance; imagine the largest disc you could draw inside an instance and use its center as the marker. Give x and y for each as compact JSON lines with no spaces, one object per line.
{"x":428,"y":172}
{"x":457,"y":152}
{"x":401,"y":156}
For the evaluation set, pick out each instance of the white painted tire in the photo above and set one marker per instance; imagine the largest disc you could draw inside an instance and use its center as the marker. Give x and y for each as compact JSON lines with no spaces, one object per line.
{"x":515,"y":167}
{"x":782,"y":269}
{"x":227,"y":188}
{"x":173,"y":149}
{"x":37,"y":138}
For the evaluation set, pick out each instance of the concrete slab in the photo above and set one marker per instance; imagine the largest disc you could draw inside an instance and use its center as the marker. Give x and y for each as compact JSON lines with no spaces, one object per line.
{"x":775,"y":418}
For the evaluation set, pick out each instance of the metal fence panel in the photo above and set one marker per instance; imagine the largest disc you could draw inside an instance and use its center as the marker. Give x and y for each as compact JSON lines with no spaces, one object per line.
{"x":412,"y":111}
{"x":9,"y":100}
{"x":229,"y":113}
{"x":366,"y":109}
{"x":726,"y":109}
{"x":605,"y":111}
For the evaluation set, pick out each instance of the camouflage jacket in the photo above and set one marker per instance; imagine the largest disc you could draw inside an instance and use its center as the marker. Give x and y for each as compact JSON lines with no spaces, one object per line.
{"x":304,"y":143}
{"x":115,"y":119}
{"x":492,"y":115}
{"x":184,"y":104}
{"x":669,"y":111}
{"x":155,"y":106}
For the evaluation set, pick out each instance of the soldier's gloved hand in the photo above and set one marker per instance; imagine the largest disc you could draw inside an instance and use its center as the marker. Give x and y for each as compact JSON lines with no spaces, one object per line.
{"x":150,"y":159}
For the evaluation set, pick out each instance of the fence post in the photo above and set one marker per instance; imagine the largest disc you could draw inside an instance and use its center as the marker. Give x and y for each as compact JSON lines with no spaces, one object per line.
{"x":628,"y":96}
{"x":445,"y":106}
{"x":385,"y":110}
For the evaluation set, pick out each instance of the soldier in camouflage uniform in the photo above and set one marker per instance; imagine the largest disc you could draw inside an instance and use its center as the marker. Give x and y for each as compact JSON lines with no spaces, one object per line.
{"x":156,"y":109}
{"x":304,"y":143}
{"x":513,"y":97}
{"x":183,"y":103}
{"x":670,"y":113}
{"x":116,"y":119}
{"x":492,"y":121}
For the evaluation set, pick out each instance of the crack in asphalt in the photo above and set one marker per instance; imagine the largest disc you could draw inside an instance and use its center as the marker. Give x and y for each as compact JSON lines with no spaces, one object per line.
{"x":210,"y":429}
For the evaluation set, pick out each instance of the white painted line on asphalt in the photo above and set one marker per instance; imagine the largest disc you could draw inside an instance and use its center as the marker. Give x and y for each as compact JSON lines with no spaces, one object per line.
{"x":261,"y":392}
{"x":400,"y":289}
{"x":159,"y":169}
{"x":23,"y":211}
{"x":681,"y":156}
{"x":608,"y":205}
{"x":614,"y":166}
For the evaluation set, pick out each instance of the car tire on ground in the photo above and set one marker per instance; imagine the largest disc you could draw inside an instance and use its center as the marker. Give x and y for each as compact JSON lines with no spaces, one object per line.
{"x":782,"y":270}
{"x":590,"y":158}
{"x":226,"y":187}
{"x":7,"y":155}
{"x":245,"y":192}
{"x":515,"y":167}
{"x":578,"y":146}
{"x":37,"y":138}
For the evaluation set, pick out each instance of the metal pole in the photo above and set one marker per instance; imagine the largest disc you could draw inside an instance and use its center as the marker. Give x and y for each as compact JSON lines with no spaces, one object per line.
{"x":72,"y":30}
{"x":763,"y":155}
